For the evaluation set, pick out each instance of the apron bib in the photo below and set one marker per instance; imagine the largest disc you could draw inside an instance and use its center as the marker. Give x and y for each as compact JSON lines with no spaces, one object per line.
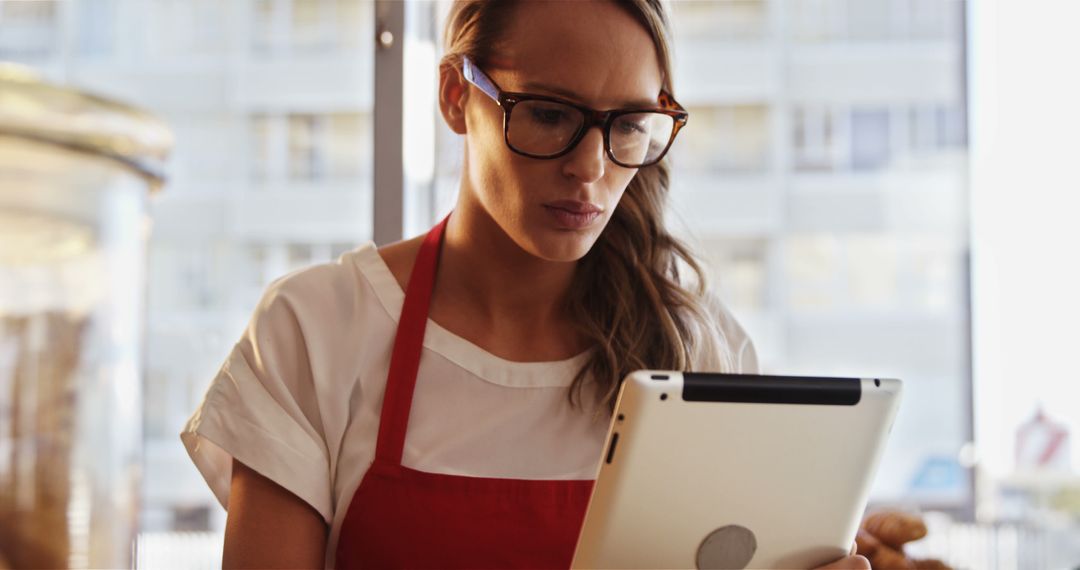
{"x":404,"y":518}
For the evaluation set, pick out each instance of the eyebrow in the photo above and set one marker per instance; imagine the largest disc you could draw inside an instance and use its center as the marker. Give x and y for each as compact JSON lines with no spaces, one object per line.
{"x":636,"y":103}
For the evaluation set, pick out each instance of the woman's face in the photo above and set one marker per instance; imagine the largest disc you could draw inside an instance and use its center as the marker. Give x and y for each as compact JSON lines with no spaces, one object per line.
{"x":590,"y":52}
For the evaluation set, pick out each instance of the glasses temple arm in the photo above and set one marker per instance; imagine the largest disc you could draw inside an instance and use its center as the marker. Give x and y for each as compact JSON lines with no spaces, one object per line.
{"x":480,"y":79}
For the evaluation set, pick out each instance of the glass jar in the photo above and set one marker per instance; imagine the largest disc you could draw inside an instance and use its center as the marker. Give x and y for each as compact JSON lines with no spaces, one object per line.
{"x":75,"y":174}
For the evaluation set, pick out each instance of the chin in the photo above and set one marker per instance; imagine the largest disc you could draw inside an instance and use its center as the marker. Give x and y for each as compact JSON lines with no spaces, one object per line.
{"x":562,"y":245}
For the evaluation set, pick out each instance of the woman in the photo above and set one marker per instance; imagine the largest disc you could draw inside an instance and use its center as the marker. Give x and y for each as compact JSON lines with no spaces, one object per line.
{"x":555,"y":278}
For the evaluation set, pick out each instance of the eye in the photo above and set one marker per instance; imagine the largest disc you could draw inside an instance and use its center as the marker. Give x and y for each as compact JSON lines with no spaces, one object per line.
{"x":630,"y":126}
{"x":548,"y":115}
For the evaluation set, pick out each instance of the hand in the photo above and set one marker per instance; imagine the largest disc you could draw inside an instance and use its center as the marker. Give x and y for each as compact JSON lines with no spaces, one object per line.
{"x":882,"y":538}
{"x":850,"y":561}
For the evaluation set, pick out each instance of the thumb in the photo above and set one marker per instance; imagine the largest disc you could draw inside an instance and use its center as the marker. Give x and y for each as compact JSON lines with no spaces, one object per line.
{"x":894,"y":528}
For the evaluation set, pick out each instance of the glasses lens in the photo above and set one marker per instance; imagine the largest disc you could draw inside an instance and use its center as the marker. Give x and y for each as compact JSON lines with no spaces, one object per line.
{"x":640,"y":138}
{"x":543,"y":127}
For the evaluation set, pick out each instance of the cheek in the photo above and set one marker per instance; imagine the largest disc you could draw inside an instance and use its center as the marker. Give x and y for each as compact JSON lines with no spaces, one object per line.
{"x":484,"y":136}
{"x":620,"y":180}
{"x":501,"y":183}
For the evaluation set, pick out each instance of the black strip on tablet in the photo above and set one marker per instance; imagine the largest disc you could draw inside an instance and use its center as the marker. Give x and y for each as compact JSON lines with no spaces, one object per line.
{"x":748,"y":388}
{"x":611,"y":449}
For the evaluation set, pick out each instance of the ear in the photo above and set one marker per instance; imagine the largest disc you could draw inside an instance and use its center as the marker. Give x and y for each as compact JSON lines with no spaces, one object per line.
{"x":453,"y":94}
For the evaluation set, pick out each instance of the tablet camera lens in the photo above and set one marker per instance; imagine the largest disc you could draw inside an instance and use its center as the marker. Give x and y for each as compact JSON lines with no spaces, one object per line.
{"x":663,"y":396}
{"x":877,"y":382}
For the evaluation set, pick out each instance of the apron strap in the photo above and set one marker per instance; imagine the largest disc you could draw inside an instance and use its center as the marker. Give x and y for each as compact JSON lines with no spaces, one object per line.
{"x":408,"y":345}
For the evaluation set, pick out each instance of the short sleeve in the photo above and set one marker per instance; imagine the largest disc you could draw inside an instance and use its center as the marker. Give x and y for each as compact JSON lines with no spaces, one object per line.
{"x":261,"y":407}
{"x":727,"y":347}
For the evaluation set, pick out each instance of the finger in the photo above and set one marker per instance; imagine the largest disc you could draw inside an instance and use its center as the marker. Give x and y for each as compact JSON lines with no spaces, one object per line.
{"x":892,"y":559}
{"x":848,"y":563}
{"x":868,"y":543}
{"x":930,"y":564}
{"x":854,"y":549}
{"x":894,"y":528}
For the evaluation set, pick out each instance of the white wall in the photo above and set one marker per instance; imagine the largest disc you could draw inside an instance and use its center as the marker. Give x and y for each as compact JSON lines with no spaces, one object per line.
{"x":1025,"y":105}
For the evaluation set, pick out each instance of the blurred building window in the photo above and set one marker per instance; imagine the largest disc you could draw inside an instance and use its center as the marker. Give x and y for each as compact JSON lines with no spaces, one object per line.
{"x":816,"y":144}
{"x":307,"y":147}
{"x":823,"y":21}
{"x":183,"y":29}
{"x":729,"y":138}
{"x":935,"y":19}
{"x":838,"y":252}
{"x":307,"y":27}
{"x":270,"y":26}
{"x":870,"y":139}
{"x":269,"y":158}
{"x":339,"y":248}
{"x":257,"y":261}
{"x":817,"y":20}
{"x":313,"y":25}
{"x":310,"y":147}
{"x":868,"y":20}
{"x":348,"y":146}
{"x":97,"y":26}
{"x":739,"y":270}
{"x":300,"y":255}
{"x":29,"y":30}
{"x":270,"y":101}
{"x":722,"y":20}
{"x":936,"y":127}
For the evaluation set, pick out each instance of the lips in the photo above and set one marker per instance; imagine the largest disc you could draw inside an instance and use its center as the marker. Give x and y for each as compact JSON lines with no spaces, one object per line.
{"x":573,"y":215}
{"x":575,"y":207}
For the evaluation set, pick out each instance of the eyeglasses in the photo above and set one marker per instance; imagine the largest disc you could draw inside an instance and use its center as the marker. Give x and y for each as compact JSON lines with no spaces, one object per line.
{"x":549,"y":127}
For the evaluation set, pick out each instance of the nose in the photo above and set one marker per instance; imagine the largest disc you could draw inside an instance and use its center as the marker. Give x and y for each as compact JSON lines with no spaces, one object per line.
{"x":586,"y":161}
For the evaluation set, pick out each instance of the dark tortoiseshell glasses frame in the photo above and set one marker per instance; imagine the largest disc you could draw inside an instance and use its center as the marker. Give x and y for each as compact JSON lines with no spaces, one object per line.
{"x":604,"y":119}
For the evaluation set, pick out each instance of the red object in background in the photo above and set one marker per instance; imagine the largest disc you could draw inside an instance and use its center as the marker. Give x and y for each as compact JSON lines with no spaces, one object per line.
{"x":1042,"y":445}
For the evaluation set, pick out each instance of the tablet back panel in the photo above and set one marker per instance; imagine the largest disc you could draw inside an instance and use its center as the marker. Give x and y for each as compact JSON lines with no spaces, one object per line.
{"x":734,"y":471}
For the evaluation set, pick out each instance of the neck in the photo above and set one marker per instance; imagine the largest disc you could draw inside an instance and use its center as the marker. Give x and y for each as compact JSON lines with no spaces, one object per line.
{"x":500,"y":283}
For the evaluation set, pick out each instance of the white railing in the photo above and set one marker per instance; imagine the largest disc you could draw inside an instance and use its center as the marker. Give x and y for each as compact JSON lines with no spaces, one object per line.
{"x":999,"y":546}
{"x":179,"y":550}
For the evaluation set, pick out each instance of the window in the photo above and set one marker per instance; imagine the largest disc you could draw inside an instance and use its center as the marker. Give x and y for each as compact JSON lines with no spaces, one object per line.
{"x":936,"y":19}
{"x":29,"y":30}
{"x":269,"y":173}
{"x":739,"y":270}
{"x":307,"y":147}
{"x":723,"y":21}
{"x":875,"y":21}
{"x":936,"y":127}
{"x":269,"y":26}
{"x":268,"y":159}
{"x":853,"y":263}
{"x":869,"y":20}
{"x":870,"y":139}
{"x":299,"y":255}
{"x":304,"y":28}
{"x":182,"y":29}
{"x":729,"y":138}
{"x":815,"y":141}
{"x":811,"y":222}
{"x":312,"y":26}
{"x":310,"y":147}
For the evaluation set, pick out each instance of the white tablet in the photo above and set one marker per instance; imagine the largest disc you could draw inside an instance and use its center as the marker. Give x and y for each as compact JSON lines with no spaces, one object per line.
{"x":735,"y":471}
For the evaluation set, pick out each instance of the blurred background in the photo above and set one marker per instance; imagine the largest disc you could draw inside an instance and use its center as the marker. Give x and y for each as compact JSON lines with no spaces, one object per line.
{"x":878,"y":187}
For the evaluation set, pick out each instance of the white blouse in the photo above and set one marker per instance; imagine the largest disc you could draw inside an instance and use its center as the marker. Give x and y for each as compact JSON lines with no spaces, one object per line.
{"x":299,"y":396}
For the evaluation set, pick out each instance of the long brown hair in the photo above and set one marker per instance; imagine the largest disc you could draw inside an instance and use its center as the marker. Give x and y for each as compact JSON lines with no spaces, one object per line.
{"x":632,"y":304}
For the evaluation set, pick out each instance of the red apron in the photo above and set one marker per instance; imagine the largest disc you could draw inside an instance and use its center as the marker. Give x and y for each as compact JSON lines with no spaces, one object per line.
{"x":404,"y":518}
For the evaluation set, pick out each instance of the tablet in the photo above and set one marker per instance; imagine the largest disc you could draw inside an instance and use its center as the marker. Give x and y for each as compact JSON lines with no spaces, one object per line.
{"x":735,"y":471}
